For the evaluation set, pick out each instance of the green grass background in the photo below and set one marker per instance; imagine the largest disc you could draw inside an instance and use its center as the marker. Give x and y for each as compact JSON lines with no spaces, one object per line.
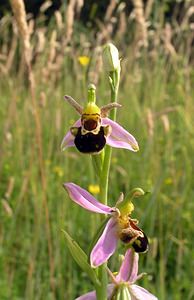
{"x":37,"y":265}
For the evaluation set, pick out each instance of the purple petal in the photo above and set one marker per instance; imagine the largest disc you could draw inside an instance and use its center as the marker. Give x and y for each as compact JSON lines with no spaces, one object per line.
{"x":129,"y":268}
{"x":110,"y":288}
{"x":92,"y":295}
{"x":68,"y":140}
{"x":85,"y":199}
{"x":88,"y":296}
{"x":119,"y":137}
{"x":139,"y":293}
{"x":106,"y":245}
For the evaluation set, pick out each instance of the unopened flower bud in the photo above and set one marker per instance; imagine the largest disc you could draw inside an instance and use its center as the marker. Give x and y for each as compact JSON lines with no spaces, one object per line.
{"x":110,"y":56}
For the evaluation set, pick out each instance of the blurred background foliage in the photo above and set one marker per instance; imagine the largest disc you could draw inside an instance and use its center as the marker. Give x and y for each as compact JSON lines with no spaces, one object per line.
{"x":155,"y":40}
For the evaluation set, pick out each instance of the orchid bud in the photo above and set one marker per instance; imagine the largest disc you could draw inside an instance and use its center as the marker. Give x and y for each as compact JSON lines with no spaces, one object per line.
{"x":110,"y":56}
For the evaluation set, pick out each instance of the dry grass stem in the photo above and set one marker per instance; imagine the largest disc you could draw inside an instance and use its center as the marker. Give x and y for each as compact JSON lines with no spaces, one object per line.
{"x":122,"y":25}
{"x":20,"y":16}
{"x":7,"y":208}
{"x":141,"y":32}
{"x":45,"y":6}
{"x":148,"y":8}
{"x":79,"y":5}
{"x":3,"y":57}
{"x":150,"y":122}
{"x":58,"y":120}
{"x":188,"y":15}
{"x":95,"y":74}
{"x":31,"y":26}
{"x":41,"y":40}
{"x":110,"y":9}
{"x":70,"y":20}
{"x":3,"y":69}
{"x":166,"y":123}
{"x":43,"y":99}
{"x":104,"y":33}
{"x":53,"y":45}
{"x":165,"y":111}
{"x":59,"y":19}
{"x":167,"y":37}
{"x":12,"y":51}
{"x":10,"y":187}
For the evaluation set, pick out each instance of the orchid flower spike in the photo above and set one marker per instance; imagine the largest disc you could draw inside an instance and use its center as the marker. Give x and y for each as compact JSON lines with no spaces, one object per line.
{"x":124,"y":282}
{"x":120,"y":225}
{"x":93,"y":130}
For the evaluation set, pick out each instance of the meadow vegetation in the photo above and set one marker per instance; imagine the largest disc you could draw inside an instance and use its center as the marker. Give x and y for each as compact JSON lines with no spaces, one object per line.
{"x":157,"y":95}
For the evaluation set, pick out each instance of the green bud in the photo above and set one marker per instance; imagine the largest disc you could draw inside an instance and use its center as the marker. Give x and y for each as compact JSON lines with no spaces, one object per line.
{"x":110,"y":57}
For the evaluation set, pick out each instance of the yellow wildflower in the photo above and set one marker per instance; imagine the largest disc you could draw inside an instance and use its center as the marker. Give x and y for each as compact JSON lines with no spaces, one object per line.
{"x":84,"y":60}
{"x":168,"y":181}
{"x":58,"y":171}
{"x":94,"y":189}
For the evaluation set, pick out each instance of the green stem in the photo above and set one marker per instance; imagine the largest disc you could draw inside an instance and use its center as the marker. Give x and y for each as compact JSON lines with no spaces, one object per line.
{"x":101,"y":291}
{"x":97,"y":161}
{"x":104,"y":180}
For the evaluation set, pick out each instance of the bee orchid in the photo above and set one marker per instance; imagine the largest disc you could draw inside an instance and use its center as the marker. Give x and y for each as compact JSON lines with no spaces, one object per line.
{"x":120,"y":226}
{"x":93,"y":130}
{"x":124,"y":282}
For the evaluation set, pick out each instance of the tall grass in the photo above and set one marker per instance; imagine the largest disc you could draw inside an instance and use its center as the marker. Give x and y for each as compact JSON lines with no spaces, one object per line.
{"x":157,"y":97}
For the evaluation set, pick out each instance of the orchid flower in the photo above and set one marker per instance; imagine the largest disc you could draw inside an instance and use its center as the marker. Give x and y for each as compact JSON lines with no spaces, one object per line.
{"x":119,"y":226}
{"x":124,"y":282}
{"x":93,"y":130}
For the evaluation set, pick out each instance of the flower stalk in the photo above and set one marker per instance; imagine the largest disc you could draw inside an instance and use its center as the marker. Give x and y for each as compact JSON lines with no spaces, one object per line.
{"x":114,"y":77}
